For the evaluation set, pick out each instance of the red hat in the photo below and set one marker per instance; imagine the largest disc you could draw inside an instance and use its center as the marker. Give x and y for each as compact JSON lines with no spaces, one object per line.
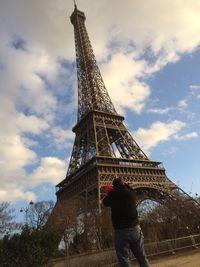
{"x":109,"y":188}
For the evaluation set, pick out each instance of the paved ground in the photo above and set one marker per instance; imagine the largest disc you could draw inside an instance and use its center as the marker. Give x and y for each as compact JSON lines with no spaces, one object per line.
{"x":187,"y":258}
{"x":181,"y":259}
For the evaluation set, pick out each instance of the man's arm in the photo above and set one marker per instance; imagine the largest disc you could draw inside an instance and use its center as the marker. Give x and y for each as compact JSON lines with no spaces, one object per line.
{"x":107,"y":200}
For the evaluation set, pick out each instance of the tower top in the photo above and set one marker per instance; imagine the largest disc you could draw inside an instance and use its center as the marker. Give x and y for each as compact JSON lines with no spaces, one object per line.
{"x":75,"y":4}
{"x":92,"y":93}
{"x":77,"y":14}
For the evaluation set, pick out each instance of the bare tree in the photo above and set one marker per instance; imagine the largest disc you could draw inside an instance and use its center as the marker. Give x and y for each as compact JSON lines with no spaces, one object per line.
{"x":99,"y":229}
{"x":38,"y":213}
{"x":7,"y":222}
{"x":171,"y":219}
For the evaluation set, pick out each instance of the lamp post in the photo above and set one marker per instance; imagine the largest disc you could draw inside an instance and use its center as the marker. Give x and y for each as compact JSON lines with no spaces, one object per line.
{"x":66,"y":241}
{"x":25,"y":210}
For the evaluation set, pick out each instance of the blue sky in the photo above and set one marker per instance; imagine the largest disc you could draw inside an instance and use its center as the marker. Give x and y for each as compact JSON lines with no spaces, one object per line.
{"x":149,"y":57}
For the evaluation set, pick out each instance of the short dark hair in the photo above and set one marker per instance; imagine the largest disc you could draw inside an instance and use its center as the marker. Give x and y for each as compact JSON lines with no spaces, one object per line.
{"x":117,"y":182}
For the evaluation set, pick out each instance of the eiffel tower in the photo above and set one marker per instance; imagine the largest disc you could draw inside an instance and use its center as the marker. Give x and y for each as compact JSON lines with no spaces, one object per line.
{"x":103,"y":147}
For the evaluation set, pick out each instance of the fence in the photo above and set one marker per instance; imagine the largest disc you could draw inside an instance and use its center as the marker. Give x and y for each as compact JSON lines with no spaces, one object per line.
{"x":172,"y":245}
{"x":108,"y":257}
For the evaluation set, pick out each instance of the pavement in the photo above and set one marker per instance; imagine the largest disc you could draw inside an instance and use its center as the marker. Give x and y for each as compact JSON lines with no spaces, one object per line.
{"x":189,"y":258}
{"x":182,"y":258}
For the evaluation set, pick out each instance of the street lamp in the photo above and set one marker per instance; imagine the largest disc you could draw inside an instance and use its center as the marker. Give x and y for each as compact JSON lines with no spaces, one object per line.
{"x":26,"y":210}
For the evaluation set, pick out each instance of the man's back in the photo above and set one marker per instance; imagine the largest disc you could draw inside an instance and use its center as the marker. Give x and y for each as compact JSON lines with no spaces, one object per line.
{"x":123,"y":207}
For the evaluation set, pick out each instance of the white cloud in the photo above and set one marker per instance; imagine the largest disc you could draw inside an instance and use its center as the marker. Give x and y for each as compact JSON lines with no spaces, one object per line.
{"x":182,"y":104}
{"x":194,"y":87}
{"x":15,"y":152}
{"x":62,"y":138}
{"x":159,"y":110}
{"x":31,"y":124}
{"x":168,"y":29}
{"x":157,"y":133}
{"x":26,"y":88}
{"x":40,"y":24}
{"x":51,"y":170}
{"x":120,"y":75}
{"x":195,"y":91}
{"x":187,"y":136}
{"x":18,"y":185}
{"x":14,"y":194}
{"x":29,"y":142}
{"x":27,"y":106}
{"x":169,"y":151}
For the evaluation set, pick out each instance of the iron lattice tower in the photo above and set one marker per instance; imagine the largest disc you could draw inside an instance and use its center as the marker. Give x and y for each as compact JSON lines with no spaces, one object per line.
{"x":103,"y":148}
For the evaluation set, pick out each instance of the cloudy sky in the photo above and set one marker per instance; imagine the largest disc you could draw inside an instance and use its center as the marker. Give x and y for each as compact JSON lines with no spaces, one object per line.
{"x":149,"y":57}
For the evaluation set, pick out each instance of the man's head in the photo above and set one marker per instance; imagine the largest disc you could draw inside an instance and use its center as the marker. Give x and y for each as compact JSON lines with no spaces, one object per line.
{"x":117,"y":182}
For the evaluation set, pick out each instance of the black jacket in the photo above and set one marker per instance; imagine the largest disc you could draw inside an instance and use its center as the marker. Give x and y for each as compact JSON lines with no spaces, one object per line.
{"x":123,"y":207}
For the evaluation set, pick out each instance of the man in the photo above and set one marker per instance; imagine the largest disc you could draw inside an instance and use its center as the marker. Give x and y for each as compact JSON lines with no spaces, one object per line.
{"x":128,"y":234}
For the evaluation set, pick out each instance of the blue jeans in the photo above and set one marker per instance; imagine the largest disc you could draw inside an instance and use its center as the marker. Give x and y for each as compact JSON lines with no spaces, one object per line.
{"x":130,"y":239}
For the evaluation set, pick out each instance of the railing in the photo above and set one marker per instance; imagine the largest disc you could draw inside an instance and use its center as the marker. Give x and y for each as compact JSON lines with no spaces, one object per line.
{"x":108,"y":257}
{"x":172,"y":245}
